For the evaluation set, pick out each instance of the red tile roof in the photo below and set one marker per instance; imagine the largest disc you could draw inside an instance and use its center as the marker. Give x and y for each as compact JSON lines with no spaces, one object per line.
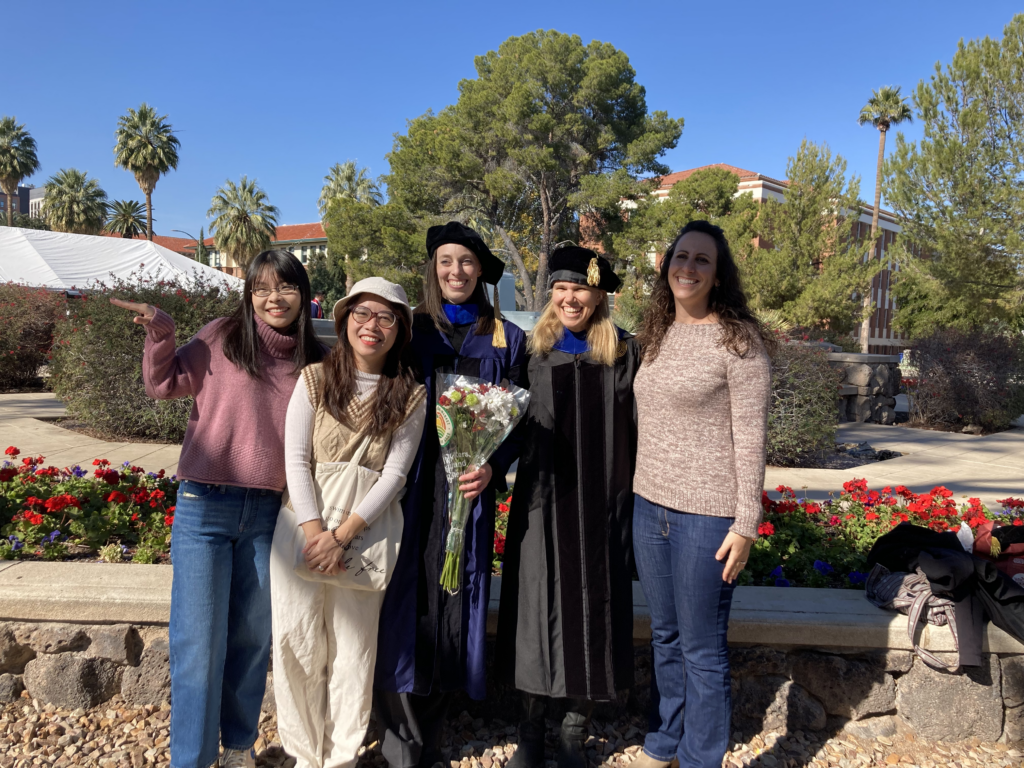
{"x":290,"y":232}
{"x":669,"y":181}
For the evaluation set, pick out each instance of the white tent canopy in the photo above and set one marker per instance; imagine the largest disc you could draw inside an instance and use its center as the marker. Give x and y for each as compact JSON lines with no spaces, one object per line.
{"x":61,"y":261}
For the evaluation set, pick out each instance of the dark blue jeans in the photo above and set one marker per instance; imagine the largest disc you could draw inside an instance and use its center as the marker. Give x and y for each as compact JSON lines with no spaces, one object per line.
{"x":691,"y":701}
{"x":220,"y":618}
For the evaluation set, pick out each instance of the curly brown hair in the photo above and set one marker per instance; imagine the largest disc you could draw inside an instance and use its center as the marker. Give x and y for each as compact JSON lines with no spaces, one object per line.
{"x":742,"y":332}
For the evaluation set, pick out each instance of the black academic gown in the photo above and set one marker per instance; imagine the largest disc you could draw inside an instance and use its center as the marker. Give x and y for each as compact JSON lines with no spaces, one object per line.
{"x":565,"y":627}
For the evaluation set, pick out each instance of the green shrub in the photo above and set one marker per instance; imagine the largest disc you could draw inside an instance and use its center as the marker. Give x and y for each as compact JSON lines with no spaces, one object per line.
{"x":97,"y":356}
{"x":968,"y":378}
{"x":803,"y":417}
{"x":26,"y":332}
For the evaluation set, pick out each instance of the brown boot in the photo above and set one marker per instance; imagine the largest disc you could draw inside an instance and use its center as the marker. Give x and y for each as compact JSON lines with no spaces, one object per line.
{"x":643,"y":760}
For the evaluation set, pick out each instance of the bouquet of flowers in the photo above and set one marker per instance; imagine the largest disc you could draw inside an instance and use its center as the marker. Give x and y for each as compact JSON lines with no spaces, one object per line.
{"x":473,"y":419}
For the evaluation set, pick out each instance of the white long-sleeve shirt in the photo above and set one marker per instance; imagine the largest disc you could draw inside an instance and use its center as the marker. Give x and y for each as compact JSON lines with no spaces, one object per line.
{"x":298,"y":453}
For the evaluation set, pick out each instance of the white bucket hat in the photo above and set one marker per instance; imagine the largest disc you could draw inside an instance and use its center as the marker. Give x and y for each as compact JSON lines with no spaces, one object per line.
{"x":378,"y":286}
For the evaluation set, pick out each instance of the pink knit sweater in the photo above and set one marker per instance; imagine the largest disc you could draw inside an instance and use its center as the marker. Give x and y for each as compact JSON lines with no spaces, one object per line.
{"x":235,"y":433}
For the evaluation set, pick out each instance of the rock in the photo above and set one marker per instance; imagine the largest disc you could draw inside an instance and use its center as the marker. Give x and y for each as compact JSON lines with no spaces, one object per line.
{"x":10,"y":688}
{"x":150,"y":682}
{"x":119,"y":643}
{"x":1013,"y":726}
{"x":14,"y":655}
{"x":758,"y":660}
{"x":71,"y":681}
{"x":952,"y":707}
{"x":848,"y":688}
{"x":883,"y":414}
{"x":973,"y":429}
{"x":53,"y":638}
{"x":859,"y":375}
{"x":860,"y":408}
{"x":871,"y":728}
{"x":889,"y":660}
{"x":269,"y":702}
{"x":1013,"y":680}
{"x":772,"y":702}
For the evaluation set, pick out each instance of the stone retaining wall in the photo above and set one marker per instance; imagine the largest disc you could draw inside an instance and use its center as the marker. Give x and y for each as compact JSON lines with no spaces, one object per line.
{"x":868,"y":692}
{"x":869,"y":386}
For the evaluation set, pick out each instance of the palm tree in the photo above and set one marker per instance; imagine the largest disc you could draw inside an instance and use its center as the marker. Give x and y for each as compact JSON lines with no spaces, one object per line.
{"x":348,"y":180}
{"x":126,"y":218}
{"x":244,"y":222}
{"x":17,"y":160}
{"x":884,"y":109}
{"x":74,"y":203}
{"x":147,"y":147}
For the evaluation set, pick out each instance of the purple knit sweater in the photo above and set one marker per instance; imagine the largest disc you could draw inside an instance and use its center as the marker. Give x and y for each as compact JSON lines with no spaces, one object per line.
{"x":235,"y":432}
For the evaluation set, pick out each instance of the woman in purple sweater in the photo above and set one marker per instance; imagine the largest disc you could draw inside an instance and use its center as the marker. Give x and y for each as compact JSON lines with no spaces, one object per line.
{"x":241,"y":370}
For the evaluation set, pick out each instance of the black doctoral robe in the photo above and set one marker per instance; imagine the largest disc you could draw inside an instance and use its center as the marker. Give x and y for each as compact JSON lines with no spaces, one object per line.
{"x":565,"y":626}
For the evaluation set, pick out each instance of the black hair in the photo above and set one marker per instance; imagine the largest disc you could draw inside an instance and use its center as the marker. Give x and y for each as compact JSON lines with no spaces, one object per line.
{"x":242,"y":343}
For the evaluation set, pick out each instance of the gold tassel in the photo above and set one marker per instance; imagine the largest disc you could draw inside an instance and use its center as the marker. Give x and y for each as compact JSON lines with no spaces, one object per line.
{"x":995,"y":548}
{"x":498,"y":338}
{"x":593,"y":273}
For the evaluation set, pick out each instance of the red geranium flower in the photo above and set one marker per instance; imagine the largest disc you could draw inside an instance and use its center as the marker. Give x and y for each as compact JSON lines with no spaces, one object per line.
{"x":7,"y":473}
{"x":11,"y":451}
{"x":57,"y":503}
{"x":871,"y":516}
{"x":765,"y":529}
{"x":117,"y":496}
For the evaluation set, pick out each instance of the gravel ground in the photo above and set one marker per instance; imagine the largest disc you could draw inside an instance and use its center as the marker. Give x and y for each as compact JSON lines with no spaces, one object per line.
{"x":113,"y":735}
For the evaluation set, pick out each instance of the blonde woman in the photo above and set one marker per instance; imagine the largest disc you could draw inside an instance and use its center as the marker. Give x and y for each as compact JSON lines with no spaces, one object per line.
{"x":565,"y":628}
{"x":325,"y":633}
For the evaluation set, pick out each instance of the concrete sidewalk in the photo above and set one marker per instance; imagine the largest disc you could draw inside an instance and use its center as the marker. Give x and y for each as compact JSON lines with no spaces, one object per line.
{"x":989,"y":467}
{"x":20,"y":427}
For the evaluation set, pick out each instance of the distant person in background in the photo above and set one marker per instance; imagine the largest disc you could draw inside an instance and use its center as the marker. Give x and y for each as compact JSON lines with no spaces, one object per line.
{"x":242,"y":371}
{"x":702,"y":396}
{"x":316,"y":307}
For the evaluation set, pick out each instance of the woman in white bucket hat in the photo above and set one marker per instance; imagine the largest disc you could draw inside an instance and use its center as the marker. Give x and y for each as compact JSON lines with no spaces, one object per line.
{"x":361,"y":407}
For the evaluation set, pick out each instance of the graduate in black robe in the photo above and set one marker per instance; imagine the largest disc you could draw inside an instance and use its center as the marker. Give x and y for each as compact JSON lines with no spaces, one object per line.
{"x":565,"y":627}
{"x":432,"y":643}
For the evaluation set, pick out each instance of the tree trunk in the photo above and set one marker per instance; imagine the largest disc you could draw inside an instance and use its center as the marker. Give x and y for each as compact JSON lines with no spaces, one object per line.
{"x":865,"y":325}
{"x":524,"y":274}
{"x":10,"y":208}
{"x":540,"y":289}
{"x":149,"y":216}
{"x":349,"y":282}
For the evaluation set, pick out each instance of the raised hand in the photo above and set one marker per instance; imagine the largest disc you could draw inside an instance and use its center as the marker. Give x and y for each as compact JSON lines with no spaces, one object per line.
{"x":146,"y":311}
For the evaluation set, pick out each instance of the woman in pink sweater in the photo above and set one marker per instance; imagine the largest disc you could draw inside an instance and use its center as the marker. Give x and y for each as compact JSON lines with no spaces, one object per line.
{"x":241,"y":370}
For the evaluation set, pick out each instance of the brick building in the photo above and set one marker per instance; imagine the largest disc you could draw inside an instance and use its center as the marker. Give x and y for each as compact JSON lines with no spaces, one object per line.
{"x":301,"y":240}
{"x":883,"y":339}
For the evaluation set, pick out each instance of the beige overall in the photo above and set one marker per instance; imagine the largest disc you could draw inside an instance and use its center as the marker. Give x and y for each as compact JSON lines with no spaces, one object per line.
{"x":325,"y":637}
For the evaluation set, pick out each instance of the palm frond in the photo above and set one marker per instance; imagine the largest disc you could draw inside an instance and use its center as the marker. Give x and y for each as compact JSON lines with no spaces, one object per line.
{"x":244,"y":222}
{"x":126,"y":218}
{"x":74,"y":203}
{"x":348,"y":180}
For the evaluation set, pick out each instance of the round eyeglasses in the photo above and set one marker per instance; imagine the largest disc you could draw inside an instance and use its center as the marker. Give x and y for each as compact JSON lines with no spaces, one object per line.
{"x":385,"y":319}
{"x":281,"y":290}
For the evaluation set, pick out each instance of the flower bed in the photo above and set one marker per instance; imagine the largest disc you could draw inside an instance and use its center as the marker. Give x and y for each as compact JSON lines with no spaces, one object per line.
{"x":115,"y":513}
{"x":126,"y":513}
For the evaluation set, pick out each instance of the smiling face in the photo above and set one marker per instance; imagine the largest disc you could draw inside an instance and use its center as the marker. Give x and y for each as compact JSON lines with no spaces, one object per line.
{"x":458,"y":270}
{"x":691,"y":273}
{"x":369,"y":341}
{"x":575,"y":304}
{"x":277,"y":310}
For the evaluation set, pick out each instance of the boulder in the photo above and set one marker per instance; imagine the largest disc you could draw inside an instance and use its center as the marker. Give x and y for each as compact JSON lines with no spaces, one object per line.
{"x":758,"y":660}
{"x":10,"y":688}
{"x":884,"y":415}
{"x":773,"y":702}
{"x":859,"y":375}
{"x":945,"y":706}
{"x":71,"y":681}
{"x":1013,"y":728}
{"x":119,"y":643}
{"x":13,"y":654}
{"x":860,"y":408}
{"x":871,"y":728}
{"x":53,"y":638}
{"x":269,"y":702}
{"x":848,"y":688}
{"x":1013,"y":680}
{"x":150,"y":682}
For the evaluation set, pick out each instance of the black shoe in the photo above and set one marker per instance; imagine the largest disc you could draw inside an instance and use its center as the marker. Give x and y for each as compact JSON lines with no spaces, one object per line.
{"x":530,"y":751}
{"x":571,"y":753}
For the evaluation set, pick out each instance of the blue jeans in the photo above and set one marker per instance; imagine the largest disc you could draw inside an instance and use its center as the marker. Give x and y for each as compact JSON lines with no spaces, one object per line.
{"x":691,"y":695}
{"x":220,"y":618}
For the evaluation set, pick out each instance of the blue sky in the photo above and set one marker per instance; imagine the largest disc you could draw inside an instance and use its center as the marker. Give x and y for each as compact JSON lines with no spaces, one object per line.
{"x":282,"y":90}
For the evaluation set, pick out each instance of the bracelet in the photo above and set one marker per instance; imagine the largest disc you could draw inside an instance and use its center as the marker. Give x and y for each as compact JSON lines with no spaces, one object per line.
{"x":334,"y":535}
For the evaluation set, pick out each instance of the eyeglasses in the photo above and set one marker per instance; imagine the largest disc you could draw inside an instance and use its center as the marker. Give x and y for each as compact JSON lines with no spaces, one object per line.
{"x":281,"y":290}
{"x":385,"y":319}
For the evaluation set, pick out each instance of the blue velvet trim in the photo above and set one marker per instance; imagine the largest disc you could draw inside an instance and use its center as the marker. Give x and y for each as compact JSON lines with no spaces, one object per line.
{"x":461,"y":314}
{"x":572,"y":343}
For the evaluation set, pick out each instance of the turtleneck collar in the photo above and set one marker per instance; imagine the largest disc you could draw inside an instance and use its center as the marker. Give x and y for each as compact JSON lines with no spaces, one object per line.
{"x":461,"y":314}
{"x":273,"y":342}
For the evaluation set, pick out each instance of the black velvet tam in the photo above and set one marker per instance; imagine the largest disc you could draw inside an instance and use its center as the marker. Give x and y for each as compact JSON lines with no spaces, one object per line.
{"x":583,"y":267}
{"x":460,"y":234}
